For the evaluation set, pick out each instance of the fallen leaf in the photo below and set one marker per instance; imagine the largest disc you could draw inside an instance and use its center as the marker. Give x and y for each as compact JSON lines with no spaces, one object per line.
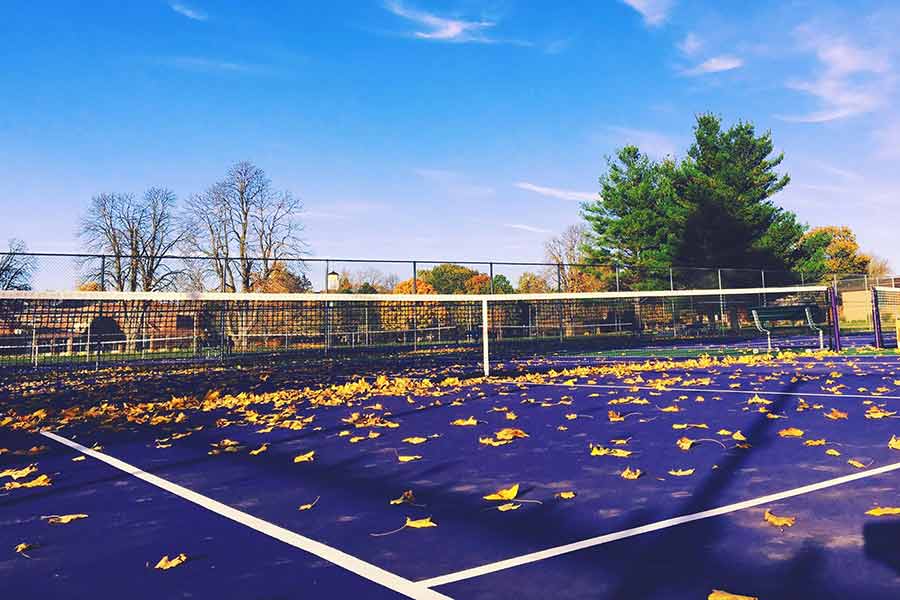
{"x":408,"y":458}
{"x":19,"y":473}
{"x":819,"y":442}
{"x":166,"y":563}
{"x":835,"y":415}
{"x":419,"y":523}
{"x":565,"y":495}
{"x":64,"y":519}
{"x":779,"y":521}
{"x":894,"y":443}
{"x":885,"y":511}
{"x":681,"y":472}
{"x":508,"y":506}
{"x":855,"y":463}
{"x":406,"y":497}
{"x":504,"y":493}
{"x":415,"y":440}
{"x":39,"y":481}
{"x":832,"y":452}
{"x":260,"y":450}
{"x":310,"y":505}
{"x":629,"y":474}
{"x":465,"y":422}
{"x":722,"y":595}
{"x":510,"y":434}
{"x":791,"y":432}
{"x":23,"y":548}
{"x":308,"y":457}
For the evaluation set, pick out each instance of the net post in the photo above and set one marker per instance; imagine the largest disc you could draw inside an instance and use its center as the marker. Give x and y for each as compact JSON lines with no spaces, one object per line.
{"x":876,"y":320}
{"x":833,"y":312}
{"x":485,"y":349}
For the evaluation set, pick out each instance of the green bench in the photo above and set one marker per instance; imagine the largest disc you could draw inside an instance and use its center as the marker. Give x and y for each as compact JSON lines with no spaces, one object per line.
{"x":809,"y":314}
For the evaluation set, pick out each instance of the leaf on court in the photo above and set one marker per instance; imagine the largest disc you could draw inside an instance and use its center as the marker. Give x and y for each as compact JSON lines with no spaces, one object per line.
{"x":571,"y":416}
{"x":405,"y":458}
{"x":225,"y":445}
{"x":260,"y":450}
{"x":884,"y":511}
{"x":738,"y":437}
{"x":894,"y":443}
{"x":166,"y":563}
{"x":832,"y":452}
{"x":681,"y":472}
{"x":508,"y":506}
{"x":757,"y":400}
{"x":835,"y":415}
{"x":310,"y":505}
{"x":420,"y":523}
{"x":672,"y":408}
{"x":777,"y":521}
{"x":509,"y":493}
{"x":511,"y":416}
{"x":414,"y":440}
{"x":568,"y":495}
{"x":855,"y":463}
{"x":406,"y":497}
{"x":876,"y":412}
{"x":39,"y":481}
{"x":722,"y":595}
{"x":79,"y":458}
{"x":684,"y":443}
{"x":308,"y":457}
{"x":617,"y":452}
{"x":23,"y":548}
{"x":620,"y":442}
{"x":471,"y":421}
{"x":724,"y":432}
{"x":19,"y":473}
{"x":628,"y":473}
{"x":562,"y":428}
{"x":64,"y":519}
{"x":819,"y":442}
{"x":690,"y":426}
{"x":492,"y":442}
{"x":509,"y":433}
{"x":791,"y":432}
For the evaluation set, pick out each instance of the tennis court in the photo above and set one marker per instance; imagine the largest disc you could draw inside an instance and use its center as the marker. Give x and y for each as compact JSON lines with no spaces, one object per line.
{"x":659,"y":452}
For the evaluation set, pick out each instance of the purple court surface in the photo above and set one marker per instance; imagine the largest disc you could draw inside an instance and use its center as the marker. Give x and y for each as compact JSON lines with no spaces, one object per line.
{"x":605,"y":477}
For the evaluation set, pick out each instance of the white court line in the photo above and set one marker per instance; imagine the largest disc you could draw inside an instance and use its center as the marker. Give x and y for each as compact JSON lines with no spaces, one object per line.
{"x":704,"y":390}
{"x":351,"y":563}
{"x":627,"y":533}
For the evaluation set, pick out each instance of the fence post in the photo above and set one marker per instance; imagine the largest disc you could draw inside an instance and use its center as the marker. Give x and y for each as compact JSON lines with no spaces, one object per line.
{"x":327,"y":269}
{"x":617,"y":278}
{"x":671,"y":280}
{"x":485,"y":348}
{"x":103,"y":273}
{"x":876,"y":320}
{"x":835,"y":323}
{"x":491,"y":270}
{"x":558,"y":277}
{"x":721,"y":302}
{"x":415,"y":277}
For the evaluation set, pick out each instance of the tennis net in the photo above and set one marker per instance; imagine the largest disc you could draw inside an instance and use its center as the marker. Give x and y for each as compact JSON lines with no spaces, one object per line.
{"x":62,"y":328}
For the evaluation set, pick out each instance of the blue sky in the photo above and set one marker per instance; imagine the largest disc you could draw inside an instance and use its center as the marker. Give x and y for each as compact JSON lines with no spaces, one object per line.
{"x":465,"y":129}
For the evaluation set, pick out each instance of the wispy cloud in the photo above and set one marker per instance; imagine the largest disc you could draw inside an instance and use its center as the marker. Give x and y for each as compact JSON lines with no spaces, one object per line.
{"x":528,"y":228}
{"x":887,"y":141}
{"x":196,"y":63}
{"x":852,"y":80}
{"x":442,"y":29}
{"x":561,"y":194}
{"x":716,"y":64}
{"x":454,"y":184}
{"x":690,"y":45}
{"x":655,"y":12}
{"x":187,"y":11}
{"x":652,"y":143}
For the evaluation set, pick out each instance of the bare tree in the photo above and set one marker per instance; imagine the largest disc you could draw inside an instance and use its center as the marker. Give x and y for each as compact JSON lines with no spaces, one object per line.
{"x":16,"y":267}
{"x":133,"y":236}
{"x":564,"y":251}
{"x":879,"y":267}
{"x":244,"y":227}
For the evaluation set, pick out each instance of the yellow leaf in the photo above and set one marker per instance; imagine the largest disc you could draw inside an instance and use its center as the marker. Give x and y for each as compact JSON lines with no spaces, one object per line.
{"x":310,"y":505}
{"x":690,"y":426}
{"x":19,"y":473}
{"x":779,"y":521}
{"x":510,"y":434}
{"x":420,"y":523}
{"x":721,"y":595}
{"x":64,"y":519}
{"x":408,"y":458}
{"x":832,"y":452}
{"x":166,"y":563}
{"x":492,"y":442}
{"x":39,"y":481}
{"x":757,"y":400}
{"x":723,"y":432}
{"x":357,"y":438}
{"x":894,"y":443}
{"x":562,"y":428}
{"x":508,"y":506}
{"x":308,"y":457}
{"x":855,"y":463}
{"x":415,"y":440}
{"x":629,"y":474}
{"x":565,"y":495}
{"x":672,"y":408}
{"x":260,"y":450}
{"x":504,"y":493}
{"x":406,"y":497}
{"x":885,"y":511}
{"x":511,"y":416}
{"x":681,"y":472}
{"x":738,"y":437}
{"x":819,"y":442}
{"x":835,"y":415}
{"x":465,"y":422}
{"x":684,"y":443}
{"x":571,"y":416}
{"x":79,"y":458}
{"x":620,"y":442}
{"x":791,"y":432}
{"x":876,"y":412}
{"x":23,"y":548}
